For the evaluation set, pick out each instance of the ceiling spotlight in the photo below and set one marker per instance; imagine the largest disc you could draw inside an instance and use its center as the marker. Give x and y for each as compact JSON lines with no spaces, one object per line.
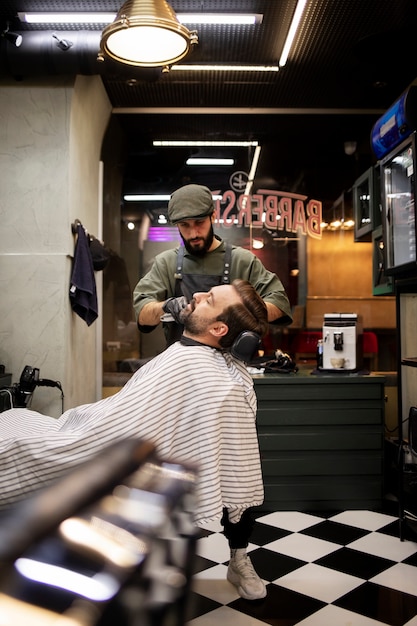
{"x":146,"y":33}
{"x":350,"y":147}
{"x":14,"y":38}
{"x":257,"y":244}
{"x":63,"y":44}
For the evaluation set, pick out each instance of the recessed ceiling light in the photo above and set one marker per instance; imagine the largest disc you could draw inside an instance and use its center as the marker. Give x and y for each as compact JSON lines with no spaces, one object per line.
{"x":299,"y":9}
{"x":220,"y":18}
{"x":162,"y":143}
{"x":66,"y":18}
{"x":208,"y":161}
{"x":143,"y":197}
{"x":107,"y":18}
{"x":218,"y":67}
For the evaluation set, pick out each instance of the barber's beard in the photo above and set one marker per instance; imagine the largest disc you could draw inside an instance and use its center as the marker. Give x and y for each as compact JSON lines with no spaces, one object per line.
{"x":203,"y":247}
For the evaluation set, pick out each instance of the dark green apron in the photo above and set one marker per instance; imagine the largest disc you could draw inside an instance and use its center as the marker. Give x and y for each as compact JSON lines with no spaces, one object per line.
{"x":188,"y":284}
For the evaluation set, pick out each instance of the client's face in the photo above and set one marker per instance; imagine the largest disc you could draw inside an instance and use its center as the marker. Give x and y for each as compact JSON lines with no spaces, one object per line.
{"x":205,"y":307}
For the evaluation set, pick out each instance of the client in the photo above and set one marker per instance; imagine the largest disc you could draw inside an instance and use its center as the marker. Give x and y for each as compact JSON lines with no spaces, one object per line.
{"x":195,"y":402}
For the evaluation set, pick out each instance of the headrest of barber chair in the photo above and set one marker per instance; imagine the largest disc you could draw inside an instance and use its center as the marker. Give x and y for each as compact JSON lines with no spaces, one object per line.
{"x":246,"y":345}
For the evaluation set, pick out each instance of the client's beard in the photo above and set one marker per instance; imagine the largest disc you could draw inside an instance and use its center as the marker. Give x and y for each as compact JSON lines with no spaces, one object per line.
{"x":194,"y":324}
{"x":184,"y":314}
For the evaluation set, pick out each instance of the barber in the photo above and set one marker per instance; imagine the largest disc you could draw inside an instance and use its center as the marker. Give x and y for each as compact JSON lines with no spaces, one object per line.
{"x":204,"y":261}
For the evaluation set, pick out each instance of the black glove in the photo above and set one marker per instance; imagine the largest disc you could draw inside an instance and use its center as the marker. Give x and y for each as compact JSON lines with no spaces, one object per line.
{"x":175,"y":306}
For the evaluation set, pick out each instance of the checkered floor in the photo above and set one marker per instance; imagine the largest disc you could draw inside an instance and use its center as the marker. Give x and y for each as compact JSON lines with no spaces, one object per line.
{"x":341,"y":569}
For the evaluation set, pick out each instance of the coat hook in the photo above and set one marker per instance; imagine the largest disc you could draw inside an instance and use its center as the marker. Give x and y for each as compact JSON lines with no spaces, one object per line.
{"x":74,"y":226}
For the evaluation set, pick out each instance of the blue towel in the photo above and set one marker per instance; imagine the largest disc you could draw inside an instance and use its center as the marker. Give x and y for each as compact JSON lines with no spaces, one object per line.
{"x":83,"y":292}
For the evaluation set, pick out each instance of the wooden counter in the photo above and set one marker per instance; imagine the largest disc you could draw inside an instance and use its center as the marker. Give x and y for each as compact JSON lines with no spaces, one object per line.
{"x":322,"y":440}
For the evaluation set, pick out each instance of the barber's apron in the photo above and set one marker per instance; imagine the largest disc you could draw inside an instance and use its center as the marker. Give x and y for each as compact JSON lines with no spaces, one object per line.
{"x":188,"y":284}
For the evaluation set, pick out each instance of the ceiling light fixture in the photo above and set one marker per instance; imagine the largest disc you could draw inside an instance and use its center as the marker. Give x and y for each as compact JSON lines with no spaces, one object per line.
{"x":252,"y":172}
{"x":292,"y":31}
{"x":208,"y":161}
{"x":146,"y":33}
{"x":350,"y":147}
{"x":210,"y":144}
{"x":221,"y":18}
{"x":224,"y":68}
{"x":141,"y":197}
{"x":251,"y":175}
{"x":107,"y":18}
{"x":66,"y":18}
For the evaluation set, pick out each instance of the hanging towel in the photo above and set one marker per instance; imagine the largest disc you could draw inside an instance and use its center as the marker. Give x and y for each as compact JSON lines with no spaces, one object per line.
{"x":83,"y":293}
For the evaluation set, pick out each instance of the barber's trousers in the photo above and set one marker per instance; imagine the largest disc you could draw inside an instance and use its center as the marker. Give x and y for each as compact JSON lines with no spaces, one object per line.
{"x":238,"y":534}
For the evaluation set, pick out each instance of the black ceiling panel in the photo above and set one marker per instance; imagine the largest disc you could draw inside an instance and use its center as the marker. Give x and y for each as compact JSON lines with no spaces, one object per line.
{"x":350,"y":61}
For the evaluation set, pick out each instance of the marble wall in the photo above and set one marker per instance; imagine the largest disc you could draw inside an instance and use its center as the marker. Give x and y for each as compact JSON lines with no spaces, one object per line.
{"x":50,"y":143}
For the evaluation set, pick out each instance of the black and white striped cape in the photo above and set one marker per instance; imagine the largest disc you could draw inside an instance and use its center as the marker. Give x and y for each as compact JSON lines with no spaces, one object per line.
{"x":194,"y":403}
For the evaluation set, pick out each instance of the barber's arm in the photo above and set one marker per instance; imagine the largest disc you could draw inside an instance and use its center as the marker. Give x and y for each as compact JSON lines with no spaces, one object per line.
{"x":150,"y":314}
{"x":274,"y":313}
{"x":267,"y":284}
{"x":154,"y":291}
{"x":272,"y":291}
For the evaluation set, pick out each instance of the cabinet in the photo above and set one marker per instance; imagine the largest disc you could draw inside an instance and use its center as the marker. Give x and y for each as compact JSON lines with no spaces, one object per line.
{"x":321,"y":440}
{"x":406,"y":304}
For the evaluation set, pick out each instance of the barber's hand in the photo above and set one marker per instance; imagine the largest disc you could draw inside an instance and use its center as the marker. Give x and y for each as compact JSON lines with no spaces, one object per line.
{"x":175,"y":306}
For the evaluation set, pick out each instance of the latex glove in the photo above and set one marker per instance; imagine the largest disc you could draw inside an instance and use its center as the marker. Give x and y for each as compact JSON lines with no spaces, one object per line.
{"x":174,"y":307}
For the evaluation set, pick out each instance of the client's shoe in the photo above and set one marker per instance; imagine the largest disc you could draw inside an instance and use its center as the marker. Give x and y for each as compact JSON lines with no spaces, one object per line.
{"x":243,"y":576}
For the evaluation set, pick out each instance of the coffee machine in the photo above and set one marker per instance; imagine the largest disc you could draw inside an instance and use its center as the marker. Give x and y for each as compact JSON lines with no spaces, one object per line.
{"x":342,"y":342}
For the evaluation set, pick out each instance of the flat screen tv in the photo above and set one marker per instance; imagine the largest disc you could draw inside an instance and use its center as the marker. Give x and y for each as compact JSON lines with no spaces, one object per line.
{"x":367,"y":204}
{"x":398,"y":190}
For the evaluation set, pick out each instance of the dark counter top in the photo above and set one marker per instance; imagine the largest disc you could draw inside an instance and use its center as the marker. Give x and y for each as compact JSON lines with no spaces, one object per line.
{"x":309,"y":376}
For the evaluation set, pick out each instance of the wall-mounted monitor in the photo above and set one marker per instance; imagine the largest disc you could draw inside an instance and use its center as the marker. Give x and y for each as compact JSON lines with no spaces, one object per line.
{"x":367,"y":204}
{"x":398,"y":190}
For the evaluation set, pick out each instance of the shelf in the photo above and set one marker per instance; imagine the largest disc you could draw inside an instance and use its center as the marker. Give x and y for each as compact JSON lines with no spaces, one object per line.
{"x":410,"y":361}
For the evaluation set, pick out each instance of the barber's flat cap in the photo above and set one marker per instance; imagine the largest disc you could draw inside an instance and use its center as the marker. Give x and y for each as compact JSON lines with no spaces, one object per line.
{"x":190,"y":202}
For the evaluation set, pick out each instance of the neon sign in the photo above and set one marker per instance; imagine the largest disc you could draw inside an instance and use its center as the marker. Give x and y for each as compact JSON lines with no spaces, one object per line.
{"x":276,"y":210}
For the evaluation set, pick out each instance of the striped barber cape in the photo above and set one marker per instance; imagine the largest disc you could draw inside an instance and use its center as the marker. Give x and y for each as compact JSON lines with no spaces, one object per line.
{"x":193,"y":402}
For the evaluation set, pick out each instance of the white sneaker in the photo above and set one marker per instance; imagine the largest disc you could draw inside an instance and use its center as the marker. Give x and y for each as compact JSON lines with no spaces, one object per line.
{"x":242,"y":575}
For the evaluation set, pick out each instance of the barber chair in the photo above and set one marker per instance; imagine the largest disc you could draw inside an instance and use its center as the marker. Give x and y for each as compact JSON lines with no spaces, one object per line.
{"x":110,"y":543}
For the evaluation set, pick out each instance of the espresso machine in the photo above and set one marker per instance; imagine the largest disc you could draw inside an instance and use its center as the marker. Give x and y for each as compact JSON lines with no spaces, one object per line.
{"x":342,"y":342}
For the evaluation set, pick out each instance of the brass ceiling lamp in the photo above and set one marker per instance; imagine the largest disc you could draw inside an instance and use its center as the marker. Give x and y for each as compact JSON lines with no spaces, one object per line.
{"x":146,"y":33}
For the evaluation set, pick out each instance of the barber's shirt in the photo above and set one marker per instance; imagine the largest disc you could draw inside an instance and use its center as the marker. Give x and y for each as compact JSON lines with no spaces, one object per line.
{"x":195,"y":403}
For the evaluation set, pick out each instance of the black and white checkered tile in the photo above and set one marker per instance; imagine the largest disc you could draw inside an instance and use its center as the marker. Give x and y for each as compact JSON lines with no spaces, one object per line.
{"x":341,"y":569}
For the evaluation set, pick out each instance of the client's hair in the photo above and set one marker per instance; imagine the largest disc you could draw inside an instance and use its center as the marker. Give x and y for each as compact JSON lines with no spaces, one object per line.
{"x":250,"y":315}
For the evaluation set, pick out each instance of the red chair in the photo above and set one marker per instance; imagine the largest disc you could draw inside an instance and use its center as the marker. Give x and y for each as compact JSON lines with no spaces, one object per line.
{"x":370,"y":349}
{"x":305,"y":345}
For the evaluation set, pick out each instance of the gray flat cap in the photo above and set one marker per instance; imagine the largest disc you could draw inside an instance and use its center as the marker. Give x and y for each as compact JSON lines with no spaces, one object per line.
{"x":190,"y":202}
